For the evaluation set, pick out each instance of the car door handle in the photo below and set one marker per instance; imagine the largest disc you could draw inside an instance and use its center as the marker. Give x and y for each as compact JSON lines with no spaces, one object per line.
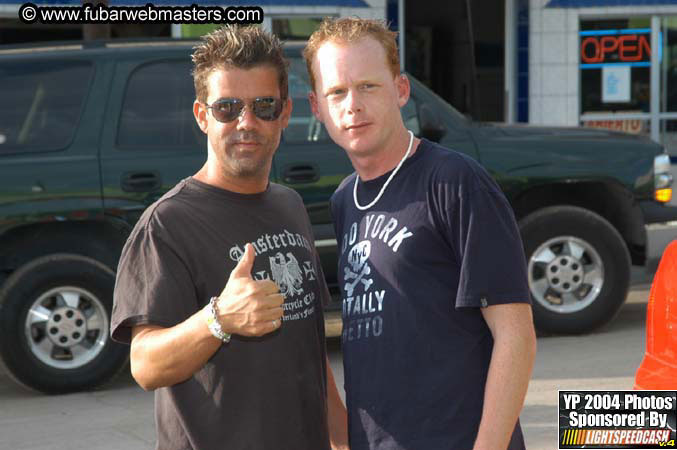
{"x":301,"y":173}
{"x":140,"y":181}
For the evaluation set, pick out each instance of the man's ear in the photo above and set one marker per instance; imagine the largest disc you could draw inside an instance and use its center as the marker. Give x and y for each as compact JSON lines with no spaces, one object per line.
{"x":200,"y":114}
{"x":286,"y":113}
{"x":403,"y":89}
{"x":314,"y":107}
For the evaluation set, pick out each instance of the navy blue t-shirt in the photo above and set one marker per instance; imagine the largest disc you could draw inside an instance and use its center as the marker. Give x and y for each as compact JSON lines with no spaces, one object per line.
{"x":414,"y":271}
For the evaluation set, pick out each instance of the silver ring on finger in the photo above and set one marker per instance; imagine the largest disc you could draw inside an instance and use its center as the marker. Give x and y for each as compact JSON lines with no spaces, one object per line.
{"x":275,"y":323}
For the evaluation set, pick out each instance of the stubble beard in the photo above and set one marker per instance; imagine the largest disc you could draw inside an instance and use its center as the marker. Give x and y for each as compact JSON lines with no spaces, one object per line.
{"x":247,"y":166}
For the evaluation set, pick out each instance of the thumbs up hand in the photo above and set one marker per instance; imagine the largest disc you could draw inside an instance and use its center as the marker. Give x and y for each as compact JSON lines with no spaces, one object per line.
{"x":246,"y":306}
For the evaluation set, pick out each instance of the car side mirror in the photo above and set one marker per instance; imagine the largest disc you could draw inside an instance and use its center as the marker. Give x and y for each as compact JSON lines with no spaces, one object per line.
{"x":431,"y":127}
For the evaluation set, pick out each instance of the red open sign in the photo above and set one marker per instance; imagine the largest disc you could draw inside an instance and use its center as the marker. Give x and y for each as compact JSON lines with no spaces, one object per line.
{"x":614,"y":49}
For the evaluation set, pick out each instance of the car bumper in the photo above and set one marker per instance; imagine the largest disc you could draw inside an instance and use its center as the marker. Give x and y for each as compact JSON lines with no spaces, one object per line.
{"x":661,"y":229}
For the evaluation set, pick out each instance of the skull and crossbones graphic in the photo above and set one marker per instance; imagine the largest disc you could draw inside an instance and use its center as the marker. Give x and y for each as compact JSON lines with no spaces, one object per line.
{"x":357,"y":259}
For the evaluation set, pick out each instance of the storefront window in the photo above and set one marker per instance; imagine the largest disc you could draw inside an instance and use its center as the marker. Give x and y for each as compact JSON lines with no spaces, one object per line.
{"x":628,"y":76}
{"x":615,"y":74}
{"x":669,"y":136}
{"x":668,"y":91}
{"x":669,"y":65}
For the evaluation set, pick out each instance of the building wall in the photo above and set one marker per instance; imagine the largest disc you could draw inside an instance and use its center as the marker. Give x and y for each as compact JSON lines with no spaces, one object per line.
{"x":376,"y":10}
{"x":554,"y":56}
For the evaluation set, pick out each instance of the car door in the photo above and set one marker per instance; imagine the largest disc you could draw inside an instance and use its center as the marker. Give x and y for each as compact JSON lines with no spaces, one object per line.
{"x":151,"y":140}
{"x":48,"y":136}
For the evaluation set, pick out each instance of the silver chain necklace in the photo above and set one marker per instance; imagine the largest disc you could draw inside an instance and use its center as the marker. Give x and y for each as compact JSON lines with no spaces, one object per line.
{"x":385,"y":185}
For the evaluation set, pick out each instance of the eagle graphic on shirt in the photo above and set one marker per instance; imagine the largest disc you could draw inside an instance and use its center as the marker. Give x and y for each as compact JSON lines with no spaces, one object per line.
{"x":287,"y":273}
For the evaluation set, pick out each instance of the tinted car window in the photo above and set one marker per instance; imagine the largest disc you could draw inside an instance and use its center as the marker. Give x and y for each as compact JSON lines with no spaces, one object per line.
{"x":41,"y":104}
{"x":157,"y":110}
{"x":303,"y":126}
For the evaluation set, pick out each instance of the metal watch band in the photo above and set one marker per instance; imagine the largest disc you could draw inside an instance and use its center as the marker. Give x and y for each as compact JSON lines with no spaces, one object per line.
{"x":213,"y":322}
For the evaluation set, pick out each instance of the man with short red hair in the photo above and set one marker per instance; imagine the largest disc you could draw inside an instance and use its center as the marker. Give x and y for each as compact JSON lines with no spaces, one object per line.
{"x":438,"y":338}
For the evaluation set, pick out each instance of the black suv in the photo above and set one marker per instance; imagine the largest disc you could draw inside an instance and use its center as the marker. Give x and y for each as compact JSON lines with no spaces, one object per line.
{"x":91,"y":134}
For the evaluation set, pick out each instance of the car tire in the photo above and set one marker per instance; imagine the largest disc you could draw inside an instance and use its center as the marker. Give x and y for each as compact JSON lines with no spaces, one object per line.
{"x":578,"y":268}
{"x":54,"y":324}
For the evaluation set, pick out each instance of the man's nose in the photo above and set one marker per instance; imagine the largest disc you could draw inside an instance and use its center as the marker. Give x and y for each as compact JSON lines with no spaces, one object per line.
{"x":246,"y":120}
{"x":354,"y":101}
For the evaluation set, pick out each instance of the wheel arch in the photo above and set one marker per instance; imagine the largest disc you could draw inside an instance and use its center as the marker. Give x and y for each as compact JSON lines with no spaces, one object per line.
{"x":98,"y":240}
{"x":608,"y":199}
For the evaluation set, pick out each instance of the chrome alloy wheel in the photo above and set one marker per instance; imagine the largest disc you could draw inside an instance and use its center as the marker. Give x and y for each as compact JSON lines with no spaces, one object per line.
{"x":566,"y":274}
{"x":66,"y":327}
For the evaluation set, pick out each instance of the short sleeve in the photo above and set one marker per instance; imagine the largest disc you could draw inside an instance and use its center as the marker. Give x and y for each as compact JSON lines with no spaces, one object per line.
{"x":337,"y":205}
{"x":482,"y":230}
{"x":322,"y":281}
{"x":334,"y":216}
{"x":153,"y":285}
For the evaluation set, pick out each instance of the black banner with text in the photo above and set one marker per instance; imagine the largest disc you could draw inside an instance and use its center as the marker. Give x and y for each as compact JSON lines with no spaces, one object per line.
{"x":617,"y":419}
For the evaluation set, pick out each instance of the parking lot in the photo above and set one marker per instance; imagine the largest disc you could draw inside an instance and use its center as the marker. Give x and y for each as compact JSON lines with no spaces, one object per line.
{"x":120,"y":415}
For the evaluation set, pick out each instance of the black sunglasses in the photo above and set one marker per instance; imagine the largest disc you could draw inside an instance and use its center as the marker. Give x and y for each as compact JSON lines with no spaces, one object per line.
{"x":229,"y":109}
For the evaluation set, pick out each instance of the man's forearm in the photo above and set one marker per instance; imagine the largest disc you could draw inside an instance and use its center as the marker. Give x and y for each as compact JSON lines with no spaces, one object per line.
{"x":166,"y":356}
{"x":247,"y":307}
{"x":337,"y":416}
{"x":507,"y":381}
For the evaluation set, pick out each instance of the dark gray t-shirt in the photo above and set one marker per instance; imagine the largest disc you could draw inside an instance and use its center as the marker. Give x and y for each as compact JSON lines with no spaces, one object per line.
{"x":254,"y":393}
{"x":415,"y":269}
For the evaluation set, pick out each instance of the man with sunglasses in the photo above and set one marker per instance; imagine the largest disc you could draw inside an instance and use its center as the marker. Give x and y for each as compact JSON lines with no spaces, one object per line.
{"x":438,"y":338}
{"x":219,"y":287}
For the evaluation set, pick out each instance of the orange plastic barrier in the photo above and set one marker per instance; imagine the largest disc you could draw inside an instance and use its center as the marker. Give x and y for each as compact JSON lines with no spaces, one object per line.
{"x":659,"y":367}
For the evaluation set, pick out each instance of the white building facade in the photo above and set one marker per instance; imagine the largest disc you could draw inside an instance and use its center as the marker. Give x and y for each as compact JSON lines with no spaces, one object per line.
{"x":609,"y":64}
